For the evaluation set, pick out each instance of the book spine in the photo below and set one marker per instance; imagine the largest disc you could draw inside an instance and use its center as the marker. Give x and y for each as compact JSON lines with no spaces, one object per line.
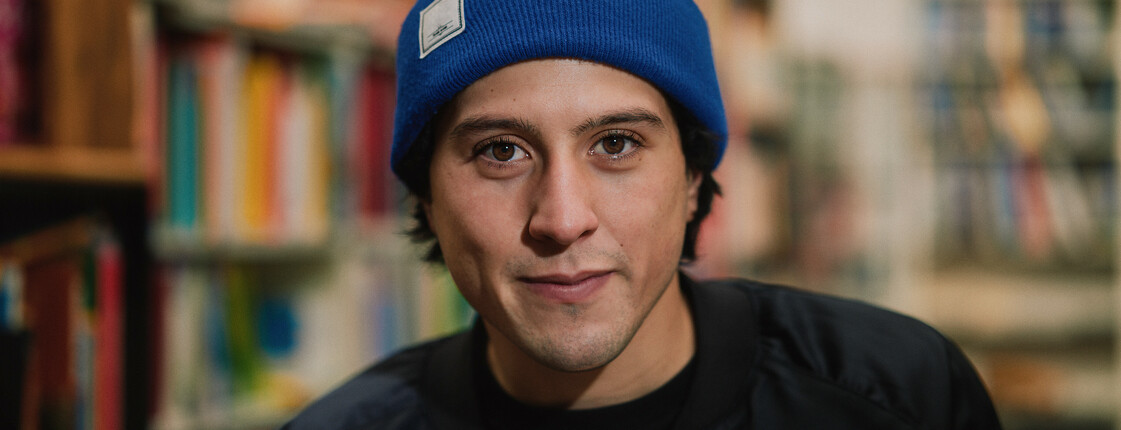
{"x":183,"y":148}
{"x":294,"y":122}
{"x":11,"y":297}
{"x":317,"y":205}
{"x":221,"y":60}
{"x":263,"y":81}
{"x":108,"y":392}
{"x":11,"y":23}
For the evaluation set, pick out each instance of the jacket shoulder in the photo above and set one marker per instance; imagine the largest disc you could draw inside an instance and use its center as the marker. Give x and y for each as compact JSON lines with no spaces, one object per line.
{"x":387,"y":395}
{"x":888,"y":362}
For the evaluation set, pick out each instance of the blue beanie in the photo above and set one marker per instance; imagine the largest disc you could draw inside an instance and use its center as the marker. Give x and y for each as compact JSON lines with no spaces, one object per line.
{"x":446,"y":45}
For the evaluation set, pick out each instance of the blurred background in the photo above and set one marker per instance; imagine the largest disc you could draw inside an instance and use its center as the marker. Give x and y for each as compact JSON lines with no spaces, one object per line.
{"x":198,"y":229}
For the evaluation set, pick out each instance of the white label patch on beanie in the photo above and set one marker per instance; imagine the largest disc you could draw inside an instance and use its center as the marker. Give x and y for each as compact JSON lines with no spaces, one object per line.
{"x":440,"y":22}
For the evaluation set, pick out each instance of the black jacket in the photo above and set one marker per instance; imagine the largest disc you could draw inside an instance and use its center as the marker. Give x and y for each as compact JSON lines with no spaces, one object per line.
{"x":767,"y":357}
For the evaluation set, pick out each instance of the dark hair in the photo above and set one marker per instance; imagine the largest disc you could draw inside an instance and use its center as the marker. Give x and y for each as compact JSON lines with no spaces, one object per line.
{"x":697,"y":143}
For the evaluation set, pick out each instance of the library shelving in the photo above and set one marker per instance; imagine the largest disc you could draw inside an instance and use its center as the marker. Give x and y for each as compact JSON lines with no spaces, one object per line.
{"x":67,"y":152}
{"x":275,"y":218}
{"x":1020,"y":104}
{"x":952,"y":159}
{"x":238,"y":160}
{"x":50,"y":231}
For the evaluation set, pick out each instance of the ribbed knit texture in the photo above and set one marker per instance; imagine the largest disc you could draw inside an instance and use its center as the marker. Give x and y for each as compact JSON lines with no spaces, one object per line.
{"x":666,"y":42}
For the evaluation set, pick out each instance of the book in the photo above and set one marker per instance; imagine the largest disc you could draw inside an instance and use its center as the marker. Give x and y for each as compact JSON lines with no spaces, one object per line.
{"x":106,"y":316}
{"x":70,"y":291}
{"x":12,"y":315}
{"x":264,"y":91}
{"x":21,"y":64}
{"x":52,"y":278}
{"x":183,"y":152}
{"x":183,"y":377}
{"x":374,"y":121}
{"x":303,"y":156}
{"x":221,"y":60}
{"x":11,"y":29}
{"x":16,"y":343}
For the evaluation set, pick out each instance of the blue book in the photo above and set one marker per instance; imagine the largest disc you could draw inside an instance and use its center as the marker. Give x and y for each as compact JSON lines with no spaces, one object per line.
{"x":10,"y":297}
{"x":182,"y":145}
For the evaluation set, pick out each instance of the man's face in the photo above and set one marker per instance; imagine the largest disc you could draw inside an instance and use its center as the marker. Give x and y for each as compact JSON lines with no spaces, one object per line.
{"x":559,"y":198}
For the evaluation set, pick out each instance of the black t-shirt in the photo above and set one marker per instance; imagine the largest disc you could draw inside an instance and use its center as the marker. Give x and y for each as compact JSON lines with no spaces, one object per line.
{"x":654,"y":411}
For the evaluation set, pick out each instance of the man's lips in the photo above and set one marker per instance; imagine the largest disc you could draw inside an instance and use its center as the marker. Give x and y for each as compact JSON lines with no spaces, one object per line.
{"x":566,"y":288}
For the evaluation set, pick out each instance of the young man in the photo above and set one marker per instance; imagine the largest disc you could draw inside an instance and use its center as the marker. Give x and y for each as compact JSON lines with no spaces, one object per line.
{"x":561,"y":153}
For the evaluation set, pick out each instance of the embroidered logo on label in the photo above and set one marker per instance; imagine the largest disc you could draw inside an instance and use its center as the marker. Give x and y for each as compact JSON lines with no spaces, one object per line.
{"x":440,"y":22}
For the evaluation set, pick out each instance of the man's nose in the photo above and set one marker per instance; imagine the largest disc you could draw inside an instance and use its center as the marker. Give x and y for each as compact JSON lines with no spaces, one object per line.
{"x":563,"y":209}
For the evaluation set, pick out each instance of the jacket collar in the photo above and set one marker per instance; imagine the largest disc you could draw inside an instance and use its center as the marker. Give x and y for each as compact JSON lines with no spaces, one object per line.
{"x":727,"y":331}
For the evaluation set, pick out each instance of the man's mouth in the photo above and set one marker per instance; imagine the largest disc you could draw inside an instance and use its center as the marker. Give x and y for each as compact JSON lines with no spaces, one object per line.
{"x":567,"y":288}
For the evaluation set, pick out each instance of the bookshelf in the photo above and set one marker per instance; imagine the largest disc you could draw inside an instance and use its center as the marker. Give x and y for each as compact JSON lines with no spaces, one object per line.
{"x":78,"y":114}
{"x":275,"y":223}
{"x":237,"y":308}
{"x":77,"y":212}
{"x":1021,"y":122}
{"x":952,"y":159}
{"x":68,"y":152}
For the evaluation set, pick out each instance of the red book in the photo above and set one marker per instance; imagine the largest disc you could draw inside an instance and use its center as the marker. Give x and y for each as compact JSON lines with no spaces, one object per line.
{"x":157,"y":314}
{"x":10,"y":74}
{"x":374,"y":124}
{"x":52,"y":265}
{"x":276,"y":195}
{"x":1035,"y":224}
{"x":51,"y":290}
{"x":108,"y":336}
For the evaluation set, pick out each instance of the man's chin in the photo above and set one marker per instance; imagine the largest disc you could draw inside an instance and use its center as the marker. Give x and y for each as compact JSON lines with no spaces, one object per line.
{"x":570,"y":358}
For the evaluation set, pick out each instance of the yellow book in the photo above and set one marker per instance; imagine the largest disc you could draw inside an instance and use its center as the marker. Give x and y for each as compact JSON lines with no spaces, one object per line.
{"x":263,"y":81}
{"x":318,"y":204}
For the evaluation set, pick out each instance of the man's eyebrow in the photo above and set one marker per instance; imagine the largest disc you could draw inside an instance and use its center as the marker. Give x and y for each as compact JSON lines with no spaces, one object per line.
{"x":631,"y":115}
{"x":486,"y":123}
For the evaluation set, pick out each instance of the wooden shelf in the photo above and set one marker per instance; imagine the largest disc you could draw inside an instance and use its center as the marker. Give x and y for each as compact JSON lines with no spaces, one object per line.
{"x":171,"y":249}
{"x":988,"y":308}
{"x":316,"y":34}
{"x":87,"y":99}
{"x":120,"y":165}
{"x":68,"y":237}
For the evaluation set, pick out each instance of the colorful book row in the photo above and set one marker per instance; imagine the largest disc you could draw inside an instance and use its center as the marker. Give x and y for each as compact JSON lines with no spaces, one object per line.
{"x":268,"y":148}
{"x":62,"y":291}
{"x":1030,"y":75}
{"x":1027,"y":211}
{"x":248,"y":345}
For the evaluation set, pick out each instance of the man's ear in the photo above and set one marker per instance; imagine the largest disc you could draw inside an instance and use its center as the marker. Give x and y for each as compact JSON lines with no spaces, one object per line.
{"x":695,"y":179}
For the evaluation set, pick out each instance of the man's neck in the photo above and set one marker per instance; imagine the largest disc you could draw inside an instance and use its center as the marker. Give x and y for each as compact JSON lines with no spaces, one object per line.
{"x":661,"y":347}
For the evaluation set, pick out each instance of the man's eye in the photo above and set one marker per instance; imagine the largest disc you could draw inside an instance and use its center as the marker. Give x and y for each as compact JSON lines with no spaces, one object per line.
{"x":615,"y":144}
{"x":503,"y":151}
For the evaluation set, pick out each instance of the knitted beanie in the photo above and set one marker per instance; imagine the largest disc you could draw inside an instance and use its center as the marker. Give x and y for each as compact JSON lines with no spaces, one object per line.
{"x":446,"y":45}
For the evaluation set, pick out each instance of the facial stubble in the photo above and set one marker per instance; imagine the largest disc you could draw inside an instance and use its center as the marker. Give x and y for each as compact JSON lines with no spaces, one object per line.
{"x":574,"y":350}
